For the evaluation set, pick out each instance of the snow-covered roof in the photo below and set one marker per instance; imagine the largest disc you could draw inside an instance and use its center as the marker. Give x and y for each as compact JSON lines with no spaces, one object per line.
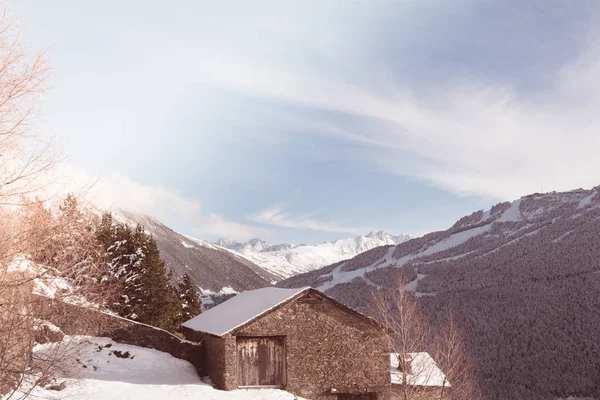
{"x":423,"y":371}
{"x":240,"y":309}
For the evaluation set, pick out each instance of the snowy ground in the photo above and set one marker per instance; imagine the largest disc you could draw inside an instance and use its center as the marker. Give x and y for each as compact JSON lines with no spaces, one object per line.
{"x":102,"y":369}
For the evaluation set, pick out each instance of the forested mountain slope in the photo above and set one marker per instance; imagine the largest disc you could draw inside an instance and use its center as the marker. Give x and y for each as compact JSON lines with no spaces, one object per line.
{"x":522,"y":278}
{"x":210,"y":267}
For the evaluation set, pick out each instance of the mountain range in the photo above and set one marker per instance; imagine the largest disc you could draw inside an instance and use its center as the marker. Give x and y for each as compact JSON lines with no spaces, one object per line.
{"x":286,"y":260}
{"x":229,"y":266}
{"x":522,"y":280}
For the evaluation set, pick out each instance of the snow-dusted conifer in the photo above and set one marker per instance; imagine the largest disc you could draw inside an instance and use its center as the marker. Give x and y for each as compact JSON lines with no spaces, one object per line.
{"x":160,"y":306}
{"x":133,"y":265}
{"x":189,"y":297}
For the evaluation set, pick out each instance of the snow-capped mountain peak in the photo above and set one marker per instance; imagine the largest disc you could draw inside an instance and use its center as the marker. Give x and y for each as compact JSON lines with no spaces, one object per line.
{"x":255,"y":245}
{"x":286,"y":259}
{"x":227,"y":243}
{"x":387,"y":237}
{"x":279,"y":247}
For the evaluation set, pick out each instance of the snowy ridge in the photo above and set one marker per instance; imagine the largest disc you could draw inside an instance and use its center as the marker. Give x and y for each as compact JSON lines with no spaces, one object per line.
{"x":285,"y":260}
{"x":338,"y":275}
{"x":498,"y":227}
{"x":193,"y":242}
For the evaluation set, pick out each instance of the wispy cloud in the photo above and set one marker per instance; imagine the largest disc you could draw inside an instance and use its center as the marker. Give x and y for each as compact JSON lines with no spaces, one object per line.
{"x":469,"y":136}
{"x":276,"y":216}
{"x":218,"y":225}
{"x":116,"y":191}
{"x":433,"y":90}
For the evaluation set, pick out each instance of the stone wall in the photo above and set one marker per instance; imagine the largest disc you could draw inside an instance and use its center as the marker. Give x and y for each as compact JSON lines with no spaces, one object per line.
{"x":327,"y":348}
{"x":213,"y":357}
{"x":77,"y":320}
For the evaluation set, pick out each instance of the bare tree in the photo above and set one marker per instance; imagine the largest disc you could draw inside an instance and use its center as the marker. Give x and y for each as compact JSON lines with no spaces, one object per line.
{"x":64,"y":241}
{"x":25,"y":155}
{"x":448,"y":350}
{"x":398,"y":310}
{"x":16,"y":337}
{"x":26,"y":159}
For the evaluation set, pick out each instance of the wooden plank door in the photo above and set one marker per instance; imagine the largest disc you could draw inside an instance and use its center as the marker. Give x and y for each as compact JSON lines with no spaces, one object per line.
{"x":260,"y":361}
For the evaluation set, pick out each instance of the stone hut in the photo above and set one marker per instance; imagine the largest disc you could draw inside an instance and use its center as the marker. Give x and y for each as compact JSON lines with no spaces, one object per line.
{"x":422,"y":378}
{"x":299,"y":340}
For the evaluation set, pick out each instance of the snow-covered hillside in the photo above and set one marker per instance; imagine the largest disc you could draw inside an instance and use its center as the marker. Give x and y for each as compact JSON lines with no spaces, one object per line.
{"x":475,"y":236}
{"x":521,"y":279}
{"x":285,"y":260}
{"x":101,"y":369}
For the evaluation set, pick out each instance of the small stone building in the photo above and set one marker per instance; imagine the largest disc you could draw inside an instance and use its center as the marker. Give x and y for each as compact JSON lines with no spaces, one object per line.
{"x":422,"y":378}
{"x":299,"y":340}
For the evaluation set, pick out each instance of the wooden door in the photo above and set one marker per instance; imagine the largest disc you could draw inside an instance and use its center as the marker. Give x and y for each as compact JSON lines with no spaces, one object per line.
{"x":260,"y":361}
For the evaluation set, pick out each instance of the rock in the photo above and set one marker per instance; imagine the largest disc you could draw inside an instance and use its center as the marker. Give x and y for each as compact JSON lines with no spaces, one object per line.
{"x":121,"y":354}
{"x":58,"y":388}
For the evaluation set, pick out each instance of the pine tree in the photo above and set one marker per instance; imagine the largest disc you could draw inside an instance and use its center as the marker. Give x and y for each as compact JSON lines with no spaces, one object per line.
{"x":134,"y":267}
{"x":160,"y":306}
{"x":122,"y":257}
{"x":189,"y":297}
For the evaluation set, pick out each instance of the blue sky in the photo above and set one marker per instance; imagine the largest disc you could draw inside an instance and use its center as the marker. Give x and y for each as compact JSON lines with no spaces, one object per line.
{"x":315,"y":120}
